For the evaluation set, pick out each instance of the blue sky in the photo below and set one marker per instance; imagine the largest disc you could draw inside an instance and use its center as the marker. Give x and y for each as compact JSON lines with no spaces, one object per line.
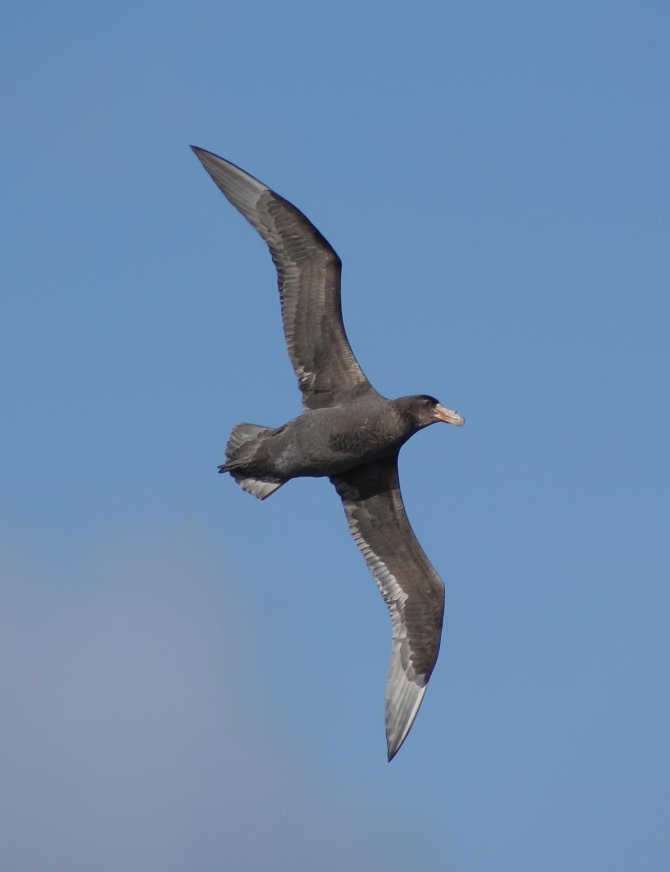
{"x":193,"y":679}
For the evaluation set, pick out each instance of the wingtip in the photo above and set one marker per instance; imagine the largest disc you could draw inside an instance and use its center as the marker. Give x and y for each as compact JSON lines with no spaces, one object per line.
{"x":394,"y":745}
{"x":403,"y":701}
{"x":206,"y":156}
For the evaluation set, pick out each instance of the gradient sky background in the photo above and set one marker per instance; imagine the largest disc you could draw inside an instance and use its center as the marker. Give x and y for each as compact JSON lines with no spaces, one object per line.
{"x":191,"y":679}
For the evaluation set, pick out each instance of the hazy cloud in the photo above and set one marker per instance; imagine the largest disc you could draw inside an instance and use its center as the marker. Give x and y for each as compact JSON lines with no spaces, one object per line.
{"x":135,"y":734}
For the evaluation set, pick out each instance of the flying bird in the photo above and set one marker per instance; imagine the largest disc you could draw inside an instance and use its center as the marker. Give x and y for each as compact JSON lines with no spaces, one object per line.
{"x":347,"y":431}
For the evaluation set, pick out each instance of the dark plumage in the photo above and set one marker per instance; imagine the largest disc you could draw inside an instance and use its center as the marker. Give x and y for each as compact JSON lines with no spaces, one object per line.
{"x":347,"y":432}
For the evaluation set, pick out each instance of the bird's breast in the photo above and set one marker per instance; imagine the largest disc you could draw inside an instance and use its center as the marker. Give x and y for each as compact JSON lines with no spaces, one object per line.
{"x":332,"y":441}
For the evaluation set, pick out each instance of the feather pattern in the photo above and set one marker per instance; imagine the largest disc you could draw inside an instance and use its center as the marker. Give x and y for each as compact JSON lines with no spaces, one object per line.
{"x":309,"y":272}
{"x":411,"y":588}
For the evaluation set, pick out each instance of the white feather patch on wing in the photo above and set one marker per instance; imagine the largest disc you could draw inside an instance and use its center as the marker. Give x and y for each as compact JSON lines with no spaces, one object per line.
{"x":404,"y":688}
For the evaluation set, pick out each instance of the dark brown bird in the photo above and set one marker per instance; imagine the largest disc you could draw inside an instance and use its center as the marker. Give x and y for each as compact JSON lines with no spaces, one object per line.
{"x":347,"y":431}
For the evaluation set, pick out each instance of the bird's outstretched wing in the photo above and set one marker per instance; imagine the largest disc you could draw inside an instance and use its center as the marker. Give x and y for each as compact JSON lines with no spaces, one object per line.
{"x":411,"y":588}
{"x":308,"y":271}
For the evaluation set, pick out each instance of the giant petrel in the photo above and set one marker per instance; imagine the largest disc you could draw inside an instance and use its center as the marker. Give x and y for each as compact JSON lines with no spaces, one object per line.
{"x":347,"y":431}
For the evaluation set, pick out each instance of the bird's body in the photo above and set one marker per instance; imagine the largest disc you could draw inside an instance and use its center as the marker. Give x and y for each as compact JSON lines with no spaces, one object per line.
{"x":329,"y":441}
{"x":347,"y":432}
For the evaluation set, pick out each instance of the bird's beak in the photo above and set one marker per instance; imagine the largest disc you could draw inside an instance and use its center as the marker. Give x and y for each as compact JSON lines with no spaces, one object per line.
{"x":448,"y":416}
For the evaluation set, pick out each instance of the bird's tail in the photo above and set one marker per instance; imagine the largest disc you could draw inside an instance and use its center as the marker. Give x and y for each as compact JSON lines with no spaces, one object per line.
{"x":240,"y":451}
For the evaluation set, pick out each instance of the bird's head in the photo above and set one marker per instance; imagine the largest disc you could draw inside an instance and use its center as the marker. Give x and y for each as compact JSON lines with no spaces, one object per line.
{"x":424,"y":410}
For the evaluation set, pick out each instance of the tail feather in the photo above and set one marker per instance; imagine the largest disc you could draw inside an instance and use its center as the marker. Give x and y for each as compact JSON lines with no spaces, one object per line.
{"x":259,"y":487}
{"x":240,"y":450}
{"x":243,"y":441}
